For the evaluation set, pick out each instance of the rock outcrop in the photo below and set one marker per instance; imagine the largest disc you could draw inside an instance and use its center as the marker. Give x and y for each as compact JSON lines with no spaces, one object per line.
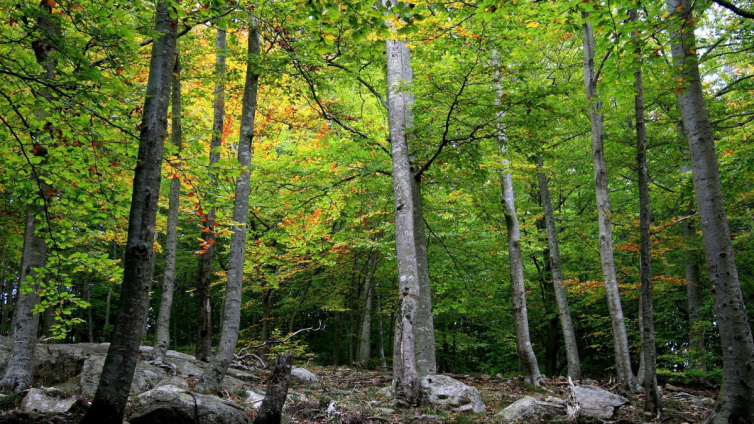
{"x":174,"y":405}
{"x":598,"y":403}
{"x":531,"y":410}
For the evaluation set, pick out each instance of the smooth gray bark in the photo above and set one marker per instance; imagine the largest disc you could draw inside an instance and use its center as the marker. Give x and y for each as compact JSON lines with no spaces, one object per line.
{"x":426,"y":357}
{"x":204,"y":273}
{"x":734,"y":402}
{"x":526,"y":357}
{"x":20,"y":363}
{"x":620,"y":336}
{"x":214,"y":373}
{"x":117,"y":374}
{"x":381,"y":333}
{"x":693,"y":293}
{"x":564,"y":312}
{"x":399,"y":79}
{"x":365,"y":335}
{"x":652,"y":399}
{"x":162,"y":338}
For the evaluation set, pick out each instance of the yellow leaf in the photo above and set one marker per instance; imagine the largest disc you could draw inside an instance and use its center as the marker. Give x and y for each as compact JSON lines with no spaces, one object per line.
{"x":329,"y":37}
{"x":532,"y":24}
{"x":665,"y":15}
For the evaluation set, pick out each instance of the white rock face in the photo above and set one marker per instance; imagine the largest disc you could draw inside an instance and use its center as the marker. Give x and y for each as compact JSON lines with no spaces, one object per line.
{"x":447,"y":393}
{"x":304,"y":377}
{"x":254,"y":399}
{"x":47,"y":401}
{"x":531,"y":410}
{"x":598,"y":403}
{"x":146,"y":376}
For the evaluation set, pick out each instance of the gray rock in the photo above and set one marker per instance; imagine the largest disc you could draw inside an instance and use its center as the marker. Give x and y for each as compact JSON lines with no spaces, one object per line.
{"x":146,"y":376}
{"x":173,"y":381}
{"x":384,"y":411}
{"x":598,"y":403}
{"x":173,"y":405}
{"x":304,"y":377}
{"x":254,"y":399}
{"x":386,"y":392}
{"x":531,"y":410}
{"x":447,"y":393}
{"x":48,"y":401}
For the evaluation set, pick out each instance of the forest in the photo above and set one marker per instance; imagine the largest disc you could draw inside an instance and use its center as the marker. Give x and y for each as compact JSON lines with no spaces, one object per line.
{"x":545,"y":191}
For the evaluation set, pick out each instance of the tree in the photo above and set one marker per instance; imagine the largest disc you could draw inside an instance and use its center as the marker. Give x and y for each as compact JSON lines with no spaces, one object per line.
{"x":20,"y":364}
{"x":115,"y":382}
{"x":204,"y":273}
{"x":162,"y":339}
{"x":734,"y":401}
{"x":622,"y":359}
{"x":214,"y":373}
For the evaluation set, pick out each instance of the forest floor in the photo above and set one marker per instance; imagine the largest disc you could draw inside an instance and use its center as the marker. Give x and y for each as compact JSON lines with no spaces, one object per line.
{"x":352,"y":396}
{"x":355,"y":392}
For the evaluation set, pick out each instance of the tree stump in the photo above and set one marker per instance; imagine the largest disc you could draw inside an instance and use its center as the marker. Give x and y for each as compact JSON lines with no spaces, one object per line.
{"x":271,"y":411}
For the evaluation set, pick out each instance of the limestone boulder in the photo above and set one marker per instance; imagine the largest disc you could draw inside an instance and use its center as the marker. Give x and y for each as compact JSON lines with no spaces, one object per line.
{"x":306,"y":378}
{"x":49,"y":401}
{"x":598,"y":403}
{"x":532,"y":410}
{"x":145,"y":377}
{"x":446,"y":393}
{"x":174,"y":405}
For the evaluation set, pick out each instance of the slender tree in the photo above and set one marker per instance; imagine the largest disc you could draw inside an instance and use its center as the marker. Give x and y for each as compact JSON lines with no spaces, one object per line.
{"x":204,"y":273}
{"x":365,"y":335}
{"x":620,"y":336}
{"x":20,"y":363}
{"x":652,"y":399}
{"x":214,"y":373}
{"x":162,"y":339}
{"x":564,"y":312}
{"x":734,"y":402}
{"x":115,"y":382}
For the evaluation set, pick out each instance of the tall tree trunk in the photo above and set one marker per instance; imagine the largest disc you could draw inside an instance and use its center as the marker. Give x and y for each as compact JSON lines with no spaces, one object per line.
{"x":204,"y":274}
{"x":620,"y":337}
{"x":564,"y":312}
{"x":115,"y":382}
{"x":426,"y":357}
{"x":214,"y":373}
{"x":526,"y":356}
{"x":693,"y":293}
{"x":20,"y":363}
{"x":365,"y":335}
{"x":734,"y":402}
{"x":162,"y":339}
{"x":399,"y":79}
{"x":652,"y":399}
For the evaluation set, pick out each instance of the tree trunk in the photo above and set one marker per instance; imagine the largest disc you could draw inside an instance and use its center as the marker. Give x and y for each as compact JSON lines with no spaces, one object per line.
{"x":693,"y":292}
{"x":20,"y":363}
{"x":381,"y":332}
{"x":365,"y":335}
{"x":115,"y":382}
{"x":620,"y":337}
{"x":214,"y":373}
{"x":271,"y":410}
{"x":652,"y":399}
{"x":564,"y":312}
{"x":399,"y":79}
{"x":526,"y":356}
{"x":426,"y":358}
{"x":204,"y":274}
{"x":734,"y":400}
{"x":162,"y":339}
